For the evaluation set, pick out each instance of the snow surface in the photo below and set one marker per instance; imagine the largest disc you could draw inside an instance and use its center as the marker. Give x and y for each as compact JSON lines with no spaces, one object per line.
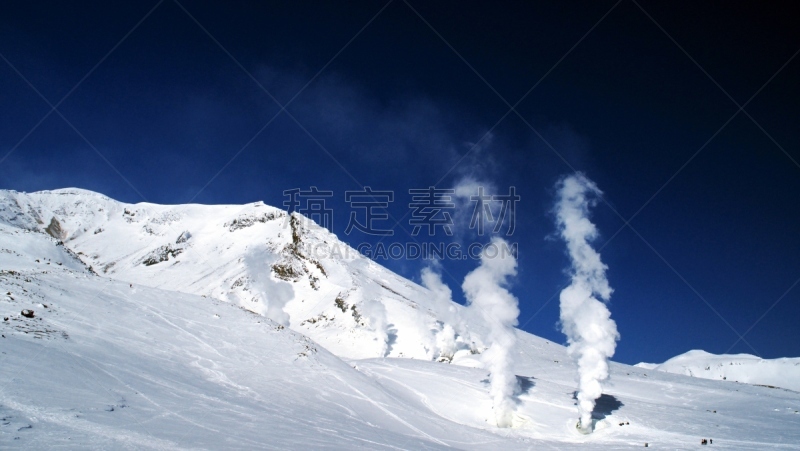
{"x":782,"y":373}
{"x":121,"y":353}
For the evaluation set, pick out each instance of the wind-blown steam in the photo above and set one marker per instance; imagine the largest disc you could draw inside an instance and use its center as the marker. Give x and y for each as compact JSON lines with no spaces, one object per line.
{"x":591,"y":333}
{"x":448,"y":314}
{"x":374,"y":310}
{"x":274,"y":294}
{"x":485,"y":289}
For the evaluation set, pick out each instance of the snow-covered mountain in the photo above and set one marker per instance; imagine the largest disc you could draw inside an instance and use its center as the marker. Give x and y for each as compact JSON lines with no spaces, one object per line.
{"x":746,"y":368}
{"x":223,"y":251}
{"x":145,"y":330}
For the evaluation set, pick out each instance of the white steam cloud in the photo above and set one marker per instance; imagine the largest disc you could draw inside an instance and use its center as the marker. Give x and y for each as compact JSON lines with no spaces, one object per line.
{"x":452,"y":323}
{"x":274,"y":294}
{"x":469,"y":218}
{"x":485,"y":289}
{"x":374,"y":310}
{"x":585,"y":319}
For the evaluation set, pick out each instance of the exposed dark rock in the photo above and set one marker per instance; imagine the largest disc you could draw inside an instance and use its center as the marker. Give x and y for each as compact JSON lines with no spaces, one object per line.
{"x":54,"y":229}
{"x":340,"y":303}
{"x":245,"y":221}
{"x":161,"y":254}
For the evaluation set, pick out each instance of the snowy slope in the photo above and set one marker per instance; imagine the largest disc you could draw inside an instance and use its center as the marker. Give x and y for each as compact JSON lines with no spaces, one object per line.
{"x":784,"y":373}
{"x":134,"y":357}
{"x":105,"y":365}
{"x":218,"y":251}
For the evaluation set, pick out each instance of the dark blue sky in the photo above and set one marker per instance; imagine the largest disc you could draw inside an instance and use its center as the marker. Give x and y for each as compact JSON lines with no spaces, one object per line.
{"x":645,"y":104}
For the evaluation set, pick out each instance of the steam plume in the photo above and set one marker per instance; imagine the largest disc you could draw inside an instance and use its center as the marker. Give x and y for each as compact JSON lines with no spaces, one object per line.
{"x":375,"y":311}
{"x":485,"y":289}
{"x":448,"y":314}
{"x":274,"y":294}
{"x":586,"y":321}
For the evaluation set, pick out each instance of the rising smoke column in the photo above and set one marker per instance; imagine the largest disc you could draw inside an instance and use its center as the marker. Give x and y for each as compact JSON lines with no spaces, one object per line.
{"x":374,"y":310}
{"x":485,"y":289}
{"x":274,"y":294}
{"x":586,"y":321}
{"x":452,"y":323}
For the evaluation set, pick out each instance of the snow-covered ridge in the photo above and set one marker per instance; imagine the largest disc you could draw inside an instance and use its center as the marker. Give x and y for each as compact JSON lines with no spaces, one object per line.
{"x":228,"y":252}
{"x":746,"y":368}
